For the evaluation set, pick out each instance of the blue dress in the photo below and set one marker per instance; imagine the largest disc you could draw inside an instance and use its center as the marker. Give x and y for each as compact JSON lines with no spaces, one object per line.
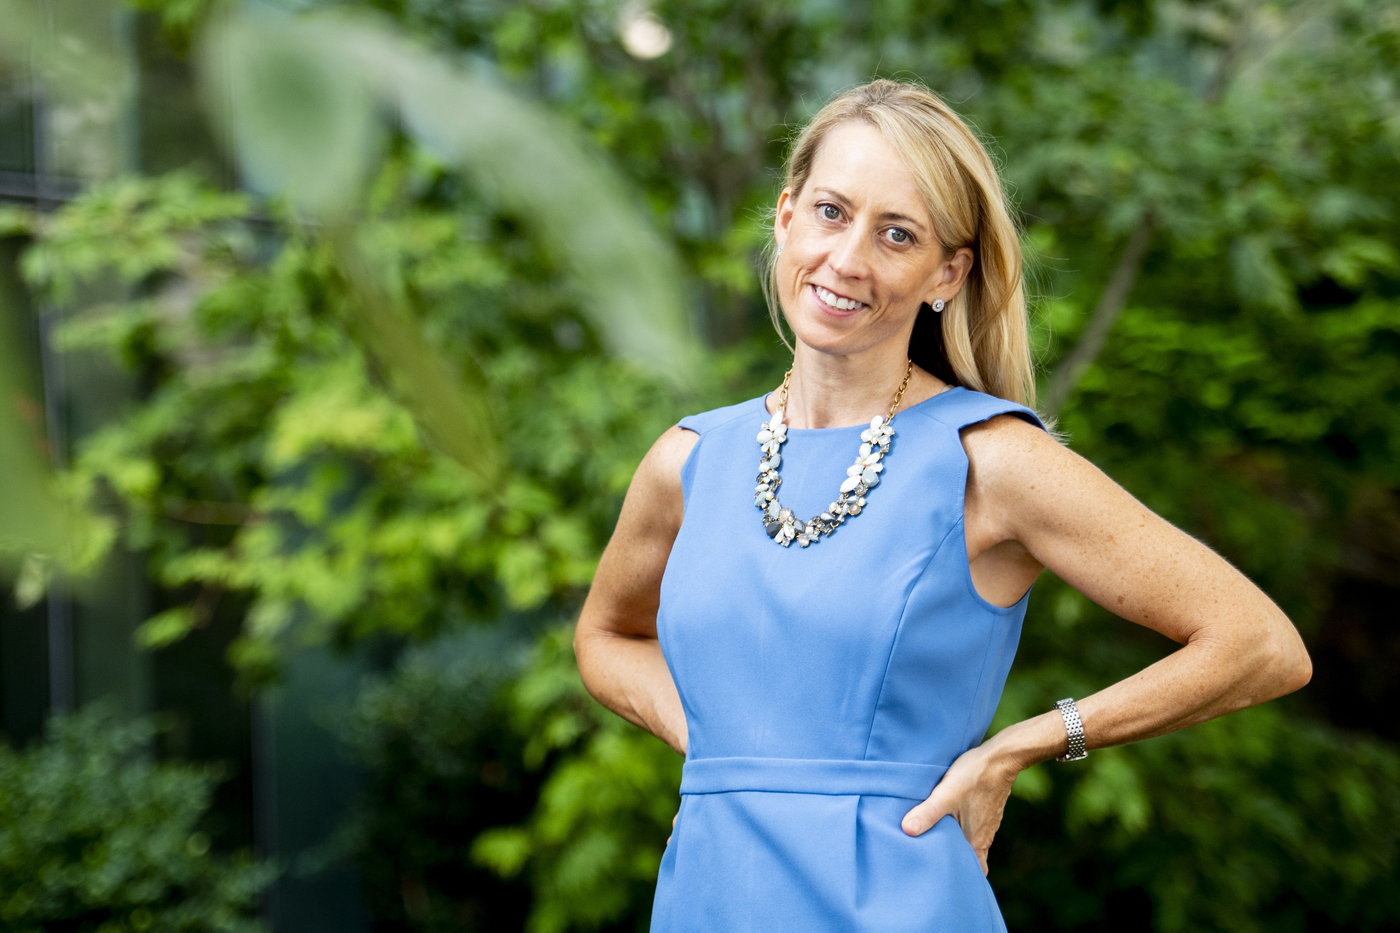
{"x":826,"y":689}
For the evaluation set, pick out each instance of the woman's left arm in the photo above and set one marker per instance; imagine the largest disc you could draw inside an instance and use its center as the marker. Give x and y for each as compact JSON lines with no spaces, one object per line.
{"x":1041,"y":504}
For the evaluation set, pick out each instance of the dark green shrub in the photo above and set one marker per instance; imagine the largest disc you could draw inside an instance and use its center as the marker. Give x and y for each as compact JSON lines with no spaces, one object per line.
{"x":502,"y":796}
{"x":442,"y":766}
{"x":96,"y":836}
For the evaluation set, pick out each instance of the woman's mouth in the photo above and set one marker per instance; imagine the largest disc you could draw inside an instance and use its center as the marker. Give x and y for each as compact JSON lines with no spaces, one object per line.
{"x":836,"y":302}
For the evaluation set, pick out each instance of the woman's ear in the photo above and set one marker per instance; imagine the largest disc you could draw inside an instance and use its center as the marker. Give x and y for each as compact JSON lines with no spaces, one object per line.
{"x":954,"y":273}
{"x":782,"y":217}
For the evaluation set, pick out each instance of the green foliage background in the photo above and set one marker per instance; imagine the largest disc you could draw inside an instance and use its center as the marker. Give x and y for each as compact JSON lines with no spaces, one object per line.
{"x":1248,"y":392}
{"x":96,"y":838}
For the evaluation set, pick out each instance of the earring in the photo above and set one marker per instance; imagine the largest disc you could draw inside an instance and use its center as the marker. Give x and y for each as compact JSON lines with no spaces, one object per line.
{"x":780,"y":249}
{"x":938,"y":304}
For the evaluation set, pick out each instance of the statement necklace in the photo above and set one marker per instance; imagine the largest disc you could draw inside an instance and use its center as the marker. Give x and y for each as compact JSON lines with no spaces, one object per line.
{"x":779,"y":522}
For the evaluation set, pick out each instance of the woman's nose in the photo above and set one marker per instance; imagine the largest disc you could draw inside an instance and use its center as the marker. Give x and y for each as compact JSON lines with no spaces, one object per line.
{"x":849,"y":257}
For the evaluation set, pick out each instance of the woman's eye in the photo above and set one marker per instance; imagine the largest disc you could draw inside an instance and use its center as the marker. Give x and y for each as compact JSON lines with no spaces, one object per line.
{"x":899,"y":236}
{"x":831,"y":211}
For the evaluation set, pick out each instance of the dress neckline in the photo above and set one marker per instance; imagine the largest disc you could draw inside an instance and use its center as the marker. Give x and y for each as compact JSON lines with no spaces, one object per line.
{"x":763,"y":406}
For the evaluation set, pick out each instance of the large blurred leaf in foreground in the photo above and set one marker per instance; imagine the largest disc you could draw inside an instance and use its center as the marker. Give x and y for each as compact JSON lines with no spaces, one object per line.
{"x":303,"y":100}
{"x":30,"y":518}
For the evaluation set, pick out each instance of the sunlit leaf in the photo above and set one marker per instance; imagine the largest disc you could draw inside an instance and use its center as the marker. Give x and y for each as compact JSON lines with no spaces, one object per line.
{"x":166,"y":628}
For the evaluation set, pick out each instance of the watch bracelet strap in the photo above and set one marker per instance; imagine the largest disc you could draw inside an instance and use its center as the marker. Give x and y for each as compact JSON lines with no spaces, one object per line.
{"x":1075,"y":727}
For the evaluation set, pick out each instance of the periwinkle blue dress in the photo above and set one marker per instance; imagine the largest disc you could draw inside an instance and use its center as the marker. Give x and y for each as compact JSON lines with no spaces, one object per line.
{"x":826,"y":689}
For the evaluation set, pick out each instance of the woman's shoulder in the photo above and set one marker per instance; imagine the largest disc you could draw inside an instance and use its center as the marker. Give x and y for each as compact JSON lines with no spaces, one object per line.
{"x":959,"y":408}
{"x":1011,"y":453}
{"x":662,"y":470}
{"x":707,"y":421}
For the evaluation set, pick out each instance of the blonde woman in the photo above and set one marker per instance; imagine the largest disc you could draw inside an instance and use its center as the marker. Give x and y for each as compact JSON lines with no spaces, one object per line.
{"x":815,"y":596}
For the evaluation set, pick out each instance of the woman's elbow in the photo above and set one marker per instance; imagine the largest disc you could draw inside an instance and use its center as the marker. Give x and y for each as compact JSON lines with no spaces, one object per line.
{"x":584,"y":636}
{"x":1291,"y":667}
{"x":1268,"y":658}
{"x":1299,"y":669}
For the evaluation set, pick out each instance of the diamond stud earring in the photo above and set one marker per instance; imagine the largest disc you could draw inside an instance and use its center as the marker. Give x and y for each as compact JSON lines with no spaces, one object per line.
{"x":937,"y":302}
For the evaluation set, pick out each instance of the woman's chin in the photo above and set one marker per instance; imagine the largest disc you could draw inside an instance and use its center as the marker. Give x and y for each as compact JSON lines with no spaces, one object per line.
{"x":839,"y":336}
{"x":822,"y":340}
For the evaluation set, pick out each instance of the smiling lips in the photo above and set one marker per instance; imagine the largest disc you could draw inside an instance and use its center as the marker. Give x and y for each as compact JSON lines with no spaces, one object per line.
{"x":835,"y":301}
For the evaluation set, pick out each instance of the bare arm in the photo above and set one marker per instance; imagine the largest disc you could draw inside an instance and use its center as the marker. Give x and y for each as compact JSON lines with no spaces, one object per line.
{"x":1033,"y":503}
{"x":1239,"y":649}
{"x":618,"y":653}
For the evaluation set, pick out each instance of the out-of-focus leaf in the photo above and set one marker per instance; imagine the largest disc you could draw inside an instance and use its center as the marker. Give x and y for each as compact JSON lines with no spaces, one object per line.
{"x":458,"y":415}
{"x":539,"y":167}
{"x":30,"y":517}
{"x":300,"y":118}
{"x":166,"y":628}
{"x":300,"y":100}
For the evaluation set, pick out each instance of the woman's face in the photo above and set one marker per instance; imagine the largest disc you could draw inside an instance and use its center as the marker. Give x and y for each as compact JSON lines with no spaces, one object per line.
{"x":859,"y":252}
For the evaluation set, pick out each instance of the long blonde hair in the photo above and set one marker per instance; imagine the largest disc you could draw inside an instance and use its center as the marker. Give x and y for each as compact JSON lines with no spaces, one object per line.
{"x":981,"y":340}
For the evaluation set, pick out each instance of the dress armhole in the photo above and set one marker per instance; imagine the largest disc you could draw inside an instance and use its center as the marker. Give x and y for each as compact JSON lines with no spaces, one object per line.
{"x":691,"y":459}
{"x":969,"y":409}
{"x":701,"y":425}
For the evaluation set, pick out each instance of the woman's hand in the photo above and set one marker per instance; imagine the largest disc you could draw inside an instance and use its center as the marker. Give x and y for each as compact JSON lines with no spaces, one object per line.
{"x":973,"y":792}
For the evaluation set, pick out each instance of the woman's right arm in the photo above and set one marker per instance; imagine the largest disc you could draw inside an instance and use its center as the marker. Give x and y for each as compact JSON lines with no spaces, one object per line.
{"x":615,"y":642}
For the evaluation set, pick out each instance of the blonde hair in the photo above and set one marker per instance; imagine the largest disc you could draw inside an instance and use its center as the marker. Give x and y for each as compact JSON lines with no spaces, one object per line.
{"x":981,"y":340}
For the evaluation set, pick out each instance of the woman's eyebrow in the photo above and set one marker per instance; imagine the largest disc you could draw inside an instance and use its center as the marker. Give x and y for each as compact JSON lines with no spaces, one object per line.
{"x":834,"y":195}
{"x":888,"y":215}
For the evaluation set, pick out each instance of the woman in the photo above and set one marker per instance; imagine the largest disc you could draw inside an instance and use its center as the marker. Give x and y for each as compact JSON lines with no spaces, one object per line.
{"x":829,"y":679}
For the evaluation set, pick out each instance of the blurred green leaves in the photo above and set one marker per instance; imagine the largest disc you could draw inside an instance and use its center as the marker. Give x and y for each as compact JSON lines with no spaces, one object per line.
{"x":305,"y":103}
{"x":299,"y":112}
{"x":276,"y":454}
{"x":40,"y":530}
{"x":95,"y":836}
{"x":312,"y":106}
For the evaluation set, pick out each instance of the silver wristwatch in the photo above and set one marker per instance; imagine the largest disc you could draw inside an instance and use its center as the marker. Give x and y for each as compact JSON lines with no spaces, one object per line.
{"x":1075,"y":727}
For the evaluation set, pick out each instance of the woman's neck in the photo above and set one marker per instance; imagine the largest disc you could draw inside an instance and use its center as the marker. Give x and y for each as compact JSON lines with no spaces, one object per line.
{"x":829,"y":391}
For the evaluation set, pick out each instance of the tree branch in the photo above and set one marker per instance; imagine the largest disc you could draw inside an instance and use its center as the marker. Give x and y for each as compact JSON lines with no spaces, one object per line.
{"x":1066,"y":377}
{"x":1115,"y":295}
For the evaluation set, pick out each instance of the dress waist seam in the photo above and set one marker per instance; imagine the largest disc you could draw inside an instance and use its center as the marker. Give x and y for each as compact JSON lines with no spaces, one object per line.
{"x":834,"y":777}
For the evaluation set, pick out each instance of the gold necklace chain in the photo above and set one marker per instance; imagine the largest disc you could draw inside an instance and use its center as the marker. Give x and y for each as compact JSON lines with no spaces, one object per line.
{"x":894,"y":406}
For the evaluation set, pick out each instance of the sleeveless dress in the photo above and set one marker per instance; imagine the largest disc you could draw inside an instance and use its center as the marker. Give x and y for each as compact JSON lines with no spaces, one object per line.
{"x":826,"y":689}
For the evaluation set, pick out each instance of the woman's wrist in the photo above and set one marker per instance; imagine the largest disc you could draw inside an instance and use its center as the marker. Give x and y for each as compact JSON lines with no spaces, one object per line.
{"x":1029,"y":742}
